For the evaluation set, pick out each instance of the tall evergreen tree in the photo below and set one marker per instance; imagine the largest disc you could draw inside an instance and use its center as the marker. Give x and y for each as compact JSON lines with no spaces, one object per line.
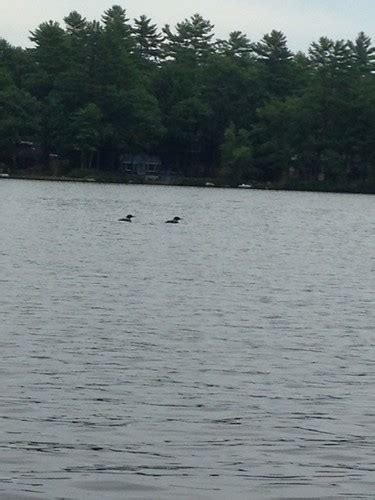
{"x":237,"y":45}
{"x":147,"y":40}
{"x":49,"y":48}
{"x":192,"y":40}
{"x":364,"y":54}
{"x":115,"y":65}
{"x":86,"y":128}
{"x":117,"y":24}
{"x":18,"y":117}
{"x":237,"y":156}
{"x":276,"y":61}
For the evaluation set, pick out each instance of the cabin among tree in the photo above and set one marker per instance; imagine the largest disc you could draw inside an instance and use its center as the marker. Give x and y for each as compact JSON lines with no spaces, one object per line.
{"x":141,"y":165}
{"x":147,"y":167}
{"x":25,"y":154}
{"x":28,"y":154}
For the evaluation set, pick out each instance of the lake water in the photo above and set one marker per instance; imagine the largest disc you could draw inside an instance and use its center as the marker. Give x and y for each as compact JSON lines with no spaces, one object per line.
{"x":229,"y":356}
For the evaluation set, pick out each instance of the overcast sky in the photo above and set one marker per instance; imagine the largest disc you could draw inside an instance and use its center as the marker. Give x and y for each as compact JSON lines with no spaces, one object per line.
{"x":303,"y":21}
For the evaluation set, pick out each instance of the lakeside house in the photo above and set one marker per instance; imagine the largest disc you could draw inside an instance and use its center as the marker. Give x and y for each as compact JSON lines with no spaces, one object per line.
{"x":28,"y":154}
{"x":148,"y":167}
{"x":141,"y":164}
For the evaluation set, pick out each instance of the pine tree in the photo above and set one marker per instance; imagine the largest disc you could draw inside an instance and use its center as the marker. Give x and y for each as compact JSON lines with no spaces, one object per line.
{"x":116,"y":23}
{"x":364,"y":54}
{"x":192,"y":40}
{"x":276,"y":61}
{"x":238,"y":45}
{"x":147,"y":40}
{"x":49,"y":51}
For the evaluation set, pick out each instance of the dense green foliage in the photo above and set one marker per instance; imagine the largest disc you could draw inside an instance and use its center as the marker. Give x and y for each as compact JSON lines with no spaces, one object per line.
{"x":233,"y":109}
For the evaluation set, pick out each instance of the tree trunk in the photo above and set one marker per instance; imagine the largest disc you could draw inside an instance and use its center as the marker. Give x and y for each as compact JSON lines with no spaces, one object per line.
{"x":14,"y":161}
{"x":91,"y":158}
{"x":83,"y":159}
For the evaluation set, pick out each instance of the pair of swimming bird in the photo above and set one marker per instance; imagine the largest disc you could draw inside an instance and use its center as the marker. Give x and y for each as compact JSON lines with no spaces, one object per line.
{"x":129,"y":218}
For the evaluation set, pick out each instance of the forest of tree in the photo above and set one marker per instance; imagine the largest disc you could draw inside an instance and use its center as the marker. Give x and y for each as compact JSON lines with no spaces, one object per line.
{"x":236,"y":109}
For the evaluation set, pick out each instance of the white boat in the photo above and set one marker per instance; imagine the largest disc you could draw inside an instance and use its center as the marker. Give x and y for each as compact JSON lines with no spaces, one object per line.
{"x":4,"y":176}
{"x":245,"y":186}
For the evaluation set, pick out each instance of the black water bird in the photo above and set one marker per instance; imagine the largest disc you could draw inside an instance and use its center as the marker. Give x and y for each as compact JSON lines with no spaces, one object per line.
{"x":175,"y":220}
{"x":128,"y":218}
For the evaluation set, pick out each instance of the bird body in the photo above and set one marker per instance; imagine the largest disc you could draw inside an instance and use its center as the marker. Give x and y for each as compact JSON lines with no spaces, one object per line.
{"x":175,"y":220}
{"x":128,"y":218}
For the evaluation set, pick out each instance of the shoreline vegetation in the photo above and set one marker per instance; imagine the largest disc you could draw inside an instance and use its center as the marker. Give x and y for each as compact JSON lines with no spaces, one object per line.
{"x":120,"y":100}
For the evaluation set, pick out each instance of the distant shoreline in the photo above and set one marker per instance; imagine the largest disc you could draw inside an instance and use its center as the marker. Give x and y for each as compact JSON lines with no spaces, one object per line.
{"x":291,"y":185}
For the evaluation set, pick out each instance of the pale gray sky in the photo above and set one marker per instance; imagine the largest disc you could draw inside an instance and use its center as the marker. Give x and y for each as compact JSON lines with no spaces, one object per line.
{"x":303,"y":21}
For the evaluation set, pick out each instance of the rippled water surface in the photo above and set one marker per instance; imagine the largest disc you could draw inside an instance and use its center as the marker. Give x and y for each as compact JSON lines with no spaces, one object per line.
{"x":230,"y":356}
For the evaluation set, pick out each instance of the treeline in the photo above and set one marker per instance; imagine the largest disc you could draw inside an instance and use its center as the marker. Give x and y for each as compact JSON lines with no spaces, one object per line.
{"x":240,"y":110}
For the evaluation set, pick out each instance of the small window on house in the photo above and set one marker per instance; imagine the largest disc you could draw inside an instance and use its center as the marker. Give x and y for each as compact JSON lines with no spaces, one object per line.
{"x":128,"y":167}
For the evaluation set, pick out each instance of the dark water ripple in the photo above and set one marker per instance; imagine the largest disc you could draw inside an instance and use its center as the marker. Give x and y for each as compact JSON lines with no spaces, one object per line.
{"x":231,"y":356}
